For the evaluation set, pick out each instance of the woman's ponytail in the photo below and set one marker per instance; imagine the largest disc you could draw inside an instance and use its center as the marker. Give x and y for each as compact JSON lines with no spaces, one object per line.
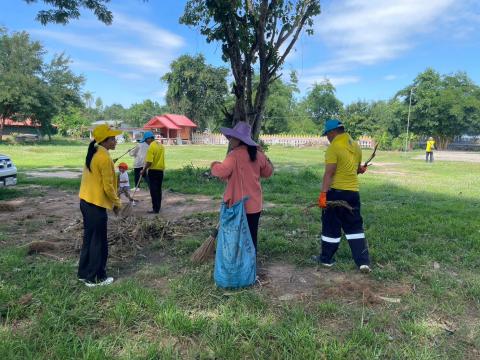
{"x":91,"y":151}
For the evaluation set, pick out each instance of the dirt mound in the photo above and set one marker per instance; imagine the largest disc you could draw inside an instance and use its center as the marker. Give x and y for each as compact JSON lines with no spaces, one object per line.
{"x":285,"y":282}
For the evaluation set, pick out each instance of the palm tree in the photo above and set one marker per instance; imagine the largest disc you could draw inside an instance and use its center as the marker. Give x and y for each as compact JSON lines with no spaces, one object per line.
{"x":88,"y":99}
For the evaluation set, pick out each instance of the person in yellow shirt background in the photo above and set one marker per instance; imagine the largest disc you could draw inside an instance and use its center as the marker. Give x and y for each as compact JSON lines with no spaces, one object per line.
{"x":340,"y":182}
{"x":98,"y":192}
{"x":154,"y":166}
{"x":429,"y":149}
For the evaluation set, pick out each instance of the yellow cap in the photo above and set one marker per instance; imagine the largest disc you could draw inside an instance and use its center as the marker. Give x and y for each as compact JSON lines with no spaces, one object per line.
{"x":101,"y":132}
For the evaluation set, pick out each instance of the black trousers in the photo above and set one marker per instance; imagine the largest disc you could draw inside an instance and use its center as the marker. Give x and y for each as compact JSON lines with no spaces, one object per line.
{"x":253,"y":220}
{"x":136,"y":174}
{"x":94,"y":253}
{"x":334,"y":219}
{"x":429,"y":154}
{"x":156,"y":179}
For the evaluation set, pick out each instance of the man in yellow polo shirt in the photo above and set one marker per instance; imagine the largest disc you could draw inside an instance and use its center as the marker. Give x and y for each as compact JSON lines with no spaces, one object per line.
{"x":340,"y":182}
{"x":154,"y":165}
{"x":429,"y":149}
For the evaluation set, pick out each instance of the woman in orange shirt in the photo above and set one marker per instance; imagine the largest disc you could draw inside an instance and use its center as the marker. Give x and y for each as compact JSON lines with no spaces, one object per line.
{"x":243,"y":167}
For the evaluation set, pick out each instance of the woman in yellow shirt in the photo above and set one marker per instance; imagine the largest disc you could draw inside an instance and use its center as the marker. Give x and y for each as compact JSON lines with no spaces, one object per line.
{"x":98,"y":192}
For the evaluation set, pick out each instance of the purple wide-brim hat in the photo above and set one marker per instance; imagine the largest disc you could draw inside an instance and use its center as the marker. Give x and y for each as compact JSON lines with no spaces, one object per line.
{"x":242,"y":131}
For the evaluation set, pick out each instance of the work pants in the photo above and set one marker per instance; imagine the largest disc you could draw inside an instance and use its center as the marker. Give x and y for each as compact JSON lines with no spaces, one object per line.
{"x":155,"y":178}
{"x":429,"y":154}
{"x":136,"y":174}
{"x":334,"y":219}
{"x":93,"y":256}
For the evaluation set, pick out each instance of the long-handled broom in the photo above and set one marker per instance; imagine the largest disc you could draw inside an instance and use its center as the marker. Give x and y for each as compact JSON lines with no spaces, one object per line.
{"x":128,"y":209}
{"x":206,"y":251}
{"x":125,"y":153}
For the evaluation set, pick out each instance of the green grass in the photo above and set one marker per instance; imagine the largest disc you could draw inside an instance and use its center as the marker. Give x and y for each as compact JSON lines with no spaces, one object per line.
{"x":415,"y":215}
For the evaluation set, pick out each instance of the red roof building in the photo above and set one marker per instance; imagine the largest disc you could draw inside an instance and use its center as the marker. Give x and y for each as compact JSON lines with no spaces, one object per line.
{"x":27,"y":123}
{"x":11,"y":126}
{"x":171,"y":126}
{"x":180,"y":120}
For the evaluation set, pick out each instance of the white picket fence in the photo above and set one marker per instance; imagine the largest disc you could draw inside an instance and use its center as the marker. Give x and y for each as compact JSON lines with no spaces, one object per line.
{"x":365,"y":142}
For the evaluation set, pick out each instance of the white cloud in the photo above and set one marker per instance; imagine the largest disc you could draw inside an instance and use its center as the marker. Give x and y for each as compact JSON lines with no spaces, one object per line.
{"x":153,"y":35}
{"x":334,"y":80}
{"x":365,"y":32}
{"x":141,"y":48}
{"x":390,"y":77}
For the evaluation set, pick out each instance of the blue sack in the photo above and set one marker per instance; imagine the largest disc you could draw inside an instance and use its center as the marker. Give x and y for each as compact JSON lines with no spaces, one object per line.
{"x":235,"y":258}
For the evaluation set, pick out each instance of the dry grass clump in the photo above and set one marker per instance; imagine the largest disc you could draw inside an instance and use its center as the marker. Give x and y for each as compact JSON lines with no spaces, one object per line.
{"x":6,"y":207}
{"x":127,"y":236}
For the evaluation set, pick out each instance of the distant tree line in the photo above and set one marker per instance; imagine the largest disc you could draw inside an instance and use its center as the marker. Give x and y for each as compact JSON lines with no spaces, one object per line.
{"x":443,"y":106}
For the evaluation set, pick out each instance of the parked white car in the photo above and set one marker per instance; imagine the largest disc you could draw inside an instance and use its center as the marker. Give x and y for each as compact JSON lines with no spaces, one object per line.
{"x":8,"y":171}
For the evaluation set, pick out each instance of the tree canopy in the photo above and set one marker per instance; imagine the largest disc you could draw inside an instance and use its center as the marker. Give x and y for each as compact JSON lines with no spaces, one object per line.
{"x":30,"y":87}
{"x":256,"y":36}
{"x":444,"y":106}
{"x":62,"y":11}
{"x":281,"y":106}
{"x":321,"y":103}
{"x":196,"y":89}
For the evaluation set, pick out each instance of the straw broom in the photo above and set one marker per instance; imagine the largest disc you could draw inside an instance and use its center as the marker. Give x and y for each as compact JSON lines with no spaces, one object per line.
{"x":206,"y":250}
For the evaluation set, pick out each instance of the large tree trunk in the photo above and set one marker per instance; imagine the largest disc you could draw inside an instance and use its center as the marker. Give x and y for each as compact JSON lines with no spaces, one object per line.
{"x":255,"y":117}
{"x":443,"y":142}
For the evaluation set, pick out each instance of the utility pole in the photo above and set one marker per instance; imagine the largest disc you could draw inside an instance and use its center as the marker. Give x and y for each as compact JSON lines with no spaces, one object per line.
{"x":407,"y":142}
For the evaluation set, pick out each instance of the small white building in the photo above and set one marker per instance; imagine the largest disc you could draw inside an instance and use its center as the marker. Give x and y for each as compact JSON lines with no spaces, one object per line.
{"x":133,"y":133}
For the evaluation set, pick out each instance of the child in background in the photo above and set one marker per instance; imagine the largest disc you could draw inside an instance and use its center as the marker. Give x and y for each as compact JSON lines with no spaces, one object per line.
{"x":124,"y":182}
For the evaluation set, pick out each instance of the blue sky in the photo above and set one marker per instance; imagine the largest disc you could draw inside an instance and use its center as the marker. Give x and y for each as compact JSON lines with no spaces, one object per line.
{"x":368,"y":49}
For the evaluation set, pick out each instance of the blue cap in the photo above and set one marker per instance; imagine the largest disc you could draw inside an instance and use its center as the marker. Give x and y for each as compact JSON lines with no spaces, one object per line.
{"x":147,"y":135}
{"x":331,"y":124}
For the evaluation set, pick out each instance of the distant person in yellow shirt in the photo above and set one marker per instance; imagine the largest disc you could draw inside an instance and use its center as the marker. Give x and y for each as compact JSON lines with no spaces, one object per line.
{"x":429,"y":149}
{"x":98,"y":192}
{"x":154,"y":167}
{"x":340,"y":182}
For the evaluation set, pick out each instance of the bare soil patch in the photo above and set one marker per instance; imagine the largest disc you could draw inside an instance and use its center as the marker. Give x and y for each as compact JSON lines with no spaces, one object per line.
{"x":52,"y":224}
{"x":66,"y":174}
{"x":385,"y":168}
{"x":285,"y":282}
{"x":383,"y":164}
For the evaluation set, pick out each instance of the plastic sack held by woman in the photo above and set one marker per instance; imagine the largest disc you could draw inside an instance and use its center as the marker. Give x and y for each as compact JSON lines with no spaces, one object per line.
{"x":98,"y":192}
{"x":242,"y":169}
